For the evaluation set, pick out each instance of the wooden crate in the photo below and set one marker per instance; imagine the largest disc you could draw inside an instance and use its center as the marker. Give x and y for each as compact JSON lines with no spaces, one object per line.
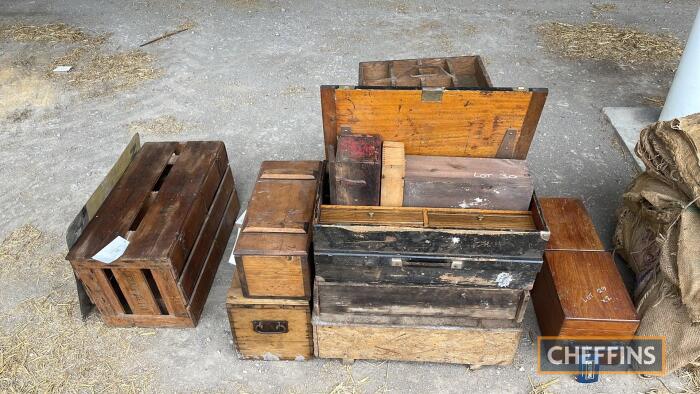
{"x":269,"y":328}
{"x":579,"y":291}
{"x":414,"y":338}
{"x":272,"y":251}
{"x":455,"y":72}
{"x":176,"y":204}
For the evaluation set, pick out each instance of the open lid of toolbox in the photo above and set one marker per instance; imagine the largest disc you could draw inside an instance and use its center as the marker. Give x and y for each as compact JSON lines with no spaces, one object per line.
{"x":468,"y":122}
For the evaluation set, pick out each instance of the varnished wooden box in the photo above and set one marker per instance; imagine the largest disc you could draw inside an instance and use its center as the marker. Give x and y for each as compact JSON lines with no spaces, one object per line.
{"x":272,"y":251}
{"x":269,"y":328}
{"x":455,"y":72}
{"x":176,"y":204}
{"x":413,"y":338}
{"x":579,"y":291}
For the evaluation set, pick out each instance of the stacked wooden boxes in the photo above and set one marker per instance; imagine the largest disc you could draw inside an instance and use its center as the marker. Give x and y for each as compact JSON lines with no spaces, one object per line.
{"x":579,"y":291}
{"x":269,"y":300}
{"x":175,"y":204}
{"x":424,"y":283}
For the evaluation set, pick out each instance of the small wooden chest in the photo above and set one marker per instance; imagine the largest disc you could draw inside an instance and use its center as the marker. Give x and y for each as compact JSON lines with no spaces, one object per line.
{"x":272,"y":251}
{"x":176,"y":204}
{"x":579,"y":291}
{"x":455,"y":72}
{"x":269,"y":329}
{"x":414,"y":338}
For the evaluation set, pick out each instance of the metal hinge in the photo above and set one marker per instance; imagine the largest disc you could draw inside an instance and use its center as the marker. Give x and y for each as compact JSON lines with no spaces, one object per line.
{"x":507,"y":148}
{"x":432,"y":94}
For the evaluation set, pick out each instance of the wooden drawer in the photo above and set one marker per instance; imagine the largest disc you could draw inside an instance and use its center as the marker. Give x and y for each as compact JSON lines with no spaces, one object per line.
{"x":176,"y":204}
{"x":446,"y":302}
{"x":272,"y":251}
{"x":462,"y":71}
{"x":269,"y":329}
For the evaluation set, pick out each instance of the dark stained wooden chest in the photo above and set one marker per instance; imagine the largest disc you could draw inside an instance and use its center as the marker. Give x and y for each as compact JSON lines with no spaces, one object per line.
{"x":176,"y":204}
{"x":272,"y":251}
{"x":579,"y":291}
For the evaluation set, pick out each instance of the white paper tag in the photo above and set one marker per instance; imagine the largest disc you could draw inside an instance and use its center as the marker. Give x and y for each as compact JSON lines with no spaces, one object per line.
{"x":62,"y":69}
{"x":112,"y":251}
{"x":238,"y":225}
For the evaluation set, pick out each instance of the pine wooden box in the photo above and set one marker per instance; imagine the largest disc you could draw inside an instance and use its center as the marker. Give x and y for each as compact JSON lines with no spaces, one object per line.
{"x":579,"y":291}
{"x":269,"y":328}
{"x":414,"y":338}
{"x":176,"y":204}
{"x":455,"y":72}
{"x":272,"y":251}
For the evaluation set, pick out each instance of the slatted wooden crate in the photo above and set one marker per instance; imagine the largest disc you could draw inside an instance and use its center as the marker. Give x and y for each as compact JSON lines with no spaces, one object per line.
{"x":455,"y":72}
{"x":176,"y":204}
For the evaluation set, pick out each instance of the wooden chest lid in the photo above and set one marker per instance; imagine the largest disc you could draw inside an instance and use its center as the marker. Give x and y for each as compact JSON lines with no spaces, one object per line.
{"x":157,"y":202}
{"x":570,"y":225}
{"x":589,"y":286}
{"x":281,"y":208}
{"x":468,"y":122}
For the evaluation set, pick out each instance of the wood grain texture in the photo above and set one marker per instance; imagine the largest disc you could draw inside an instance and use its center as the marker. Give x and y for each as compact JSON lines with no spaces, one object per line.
{"x":430,"y":270}
{"x":357,"y":170}
{"x":582,"y":293}
{"x":468,"y":123}
{"x":296,"y":344}
{"x":570,"y":225}
{"x":137,"y":292}
{"x":457,"y":345}
{"x":462,"y":71}
{"x":273,"y":276}
{"x":465,"y":182}
{"x":417,"y":300}
{"x":393,"y":172}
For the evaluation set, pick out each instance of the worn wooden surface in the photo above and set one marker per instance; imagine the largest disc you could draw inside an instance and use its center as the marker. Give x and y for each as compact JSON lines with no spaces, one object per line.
{"x":462,"y":71}
{"x":295,"y":344}
{"x":272,"y":251}
{"x":176,"y":204}
{"x":460,"y":345}
{"x":418,"y":300}
{"x":465,"y":182}
{"x":465,"y":122}
{"x":570,"y":225}
{"x":357,"y":170}
{"x":582,"y":293}
{"x":393,"y":172}
{"x":428,"y":270}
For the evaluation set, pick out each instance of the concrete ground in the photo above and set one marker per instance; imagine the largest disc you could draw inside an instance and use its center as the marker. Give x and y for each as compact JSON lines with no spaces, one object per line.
{"x":248,"y":74}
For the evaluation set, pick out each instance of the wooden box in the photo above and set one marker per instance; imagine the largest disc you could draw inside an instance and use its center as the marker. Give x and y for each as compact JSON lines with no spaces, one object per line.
{"x":269,"y":328}
{"x":272,"y":251}
{"x":579,"y":291}
{"x":176,"y":204}
{"x":355,"y":176}
{"x":454,"y":72}
{"x":413,"y":338}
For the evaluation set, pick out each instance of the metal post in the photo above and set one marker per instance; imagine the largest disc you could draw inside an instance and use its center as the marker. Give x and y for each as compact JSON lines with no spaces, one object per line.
{"x":684,"y":96}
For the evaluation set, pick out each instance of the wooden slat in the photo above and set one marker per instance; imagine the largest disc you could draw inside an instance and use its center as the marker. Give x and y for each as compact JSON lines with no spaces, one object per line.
{"x":159,"y":321}
{"x":393,"y":172}
{"x":201,"y":247}
{"x":437,"y":218}
{"x":299,"y":169}
{"x":100,"y":291}
{"x":204,"y":283}
{"x":465,"y":123}
{"x":171,"y":225}
{"x":172,"y":297}
{"x":136,"y":291}
{"x":120,"y":208}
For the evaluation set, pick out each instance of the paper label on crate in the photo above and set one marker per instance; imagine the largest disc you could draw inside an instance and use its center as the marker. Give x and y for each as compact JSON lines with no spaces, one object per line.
{"x":238,"y":225}
{"x":112,"y":251}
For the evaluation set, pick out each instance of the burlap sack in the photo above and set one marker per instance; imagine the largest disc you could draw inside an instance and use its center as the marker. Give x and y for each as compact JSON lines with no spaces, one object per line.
{"x":658,"y":235}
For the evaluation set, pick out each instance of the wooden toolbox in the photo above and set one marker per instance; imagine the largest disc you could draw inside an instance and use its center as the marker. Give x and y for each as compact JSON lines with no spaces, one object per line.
{"x":269,"y":328}
{"x":579,"y":291}
{"x":176,"y":204}
{"x":454,"y":72}
{"x":413,"y":338}
{"x":272,"y":251}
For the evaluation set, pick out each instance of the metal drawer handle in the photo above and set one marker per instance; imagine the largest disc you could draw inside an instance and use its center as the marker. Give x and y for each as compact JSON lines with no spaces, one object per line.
{"x":270,"y":326}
